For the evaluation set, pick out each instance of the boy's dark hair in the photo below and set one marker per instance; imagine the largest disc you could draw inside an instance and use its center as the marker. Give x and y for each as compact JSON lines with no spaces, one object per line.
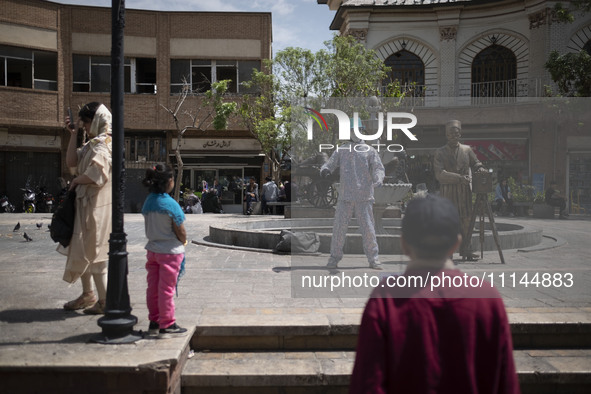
{"x":87,"y":112}
{"x":157,"y":178}
{"x":431,"y":226}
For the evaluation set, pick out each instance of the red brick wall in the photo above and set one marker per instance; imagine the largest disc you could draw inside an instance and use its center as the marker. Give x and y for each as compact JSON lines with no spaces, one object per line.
{"x":21,"y":107}
{"x":141,"y":111}
{"x":40,"y":112}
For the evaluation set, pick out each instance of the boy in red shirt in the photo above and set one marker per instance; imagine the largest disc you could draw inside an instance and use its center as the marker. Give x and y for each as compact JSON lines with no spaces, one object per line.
{"x":437,"y":330}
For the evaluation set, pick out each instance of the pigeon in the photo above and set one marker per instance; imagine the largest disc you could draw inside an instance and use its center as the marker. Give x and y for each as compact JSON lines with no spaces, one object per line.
{"x":17,"y":227}
{"x":29,"y":239}
{"x":39,"y":225}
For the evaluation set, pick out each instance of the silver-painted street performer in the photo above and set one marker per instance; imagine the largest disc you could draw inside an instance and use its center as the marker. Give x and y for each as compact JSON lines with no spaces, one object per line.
{"x":361,"y":170}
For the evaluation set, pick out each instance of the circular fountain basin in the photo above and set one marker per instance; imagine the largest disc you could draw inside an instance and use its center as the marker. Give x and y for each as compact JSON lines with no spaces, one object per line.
{"x":264,"y":234}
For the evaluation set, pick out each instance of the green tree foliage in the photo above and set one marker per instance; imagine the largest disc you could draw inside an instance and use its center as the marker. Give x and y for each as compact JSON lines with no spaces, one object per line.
{"x":212,"y":110}
{"x":266,"y":115}
{"x":299,"y":77}
{"x":351,"y":69}
{"x":571,"y":73}
{"x":567,"y":14}
{"x":222,"y":110}
{"x":300,"y":72}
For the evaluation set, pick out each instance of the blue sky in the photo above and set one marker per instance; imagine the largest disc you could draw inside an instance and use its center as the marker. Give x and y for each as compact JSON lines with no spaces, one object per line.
{"x":296,"y":23}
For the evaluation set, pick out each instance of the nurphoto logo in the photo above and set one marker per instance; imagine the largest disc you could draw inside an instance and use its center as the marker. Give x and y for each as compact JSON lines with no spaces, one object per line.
{"x":345,"y":125}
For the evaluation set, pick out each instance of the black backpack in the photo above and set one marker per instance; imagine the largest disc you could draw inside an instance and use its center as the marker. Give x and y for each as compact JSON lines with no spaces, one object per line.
{"x":62,"y":222}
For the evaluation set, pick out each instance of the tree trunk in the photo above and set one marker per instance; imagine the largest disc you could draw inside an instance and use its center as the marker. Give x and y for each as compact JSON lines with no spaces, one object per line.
{"x":180,"y":165}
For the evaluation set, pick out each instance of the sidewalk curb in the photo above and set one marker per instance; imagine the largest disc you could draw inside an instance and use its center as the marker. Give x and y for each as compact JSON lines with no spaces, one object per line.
{"x":204,"y":242}
{"x":558,"y":242}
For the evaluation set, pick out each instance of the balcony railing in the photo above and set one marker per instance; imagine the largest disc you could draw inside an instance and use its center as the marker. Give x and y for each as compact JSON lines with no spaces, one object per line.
{"x":494,"y":92}
{"x":482,"y":93}
{"x":414,"y":95}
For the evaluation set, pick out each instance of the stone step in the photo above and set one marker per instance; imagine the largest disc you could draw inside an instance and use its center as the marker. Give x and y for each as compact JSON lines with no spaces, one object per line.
{"x":317,"y":331}
{"x":540,"y":372}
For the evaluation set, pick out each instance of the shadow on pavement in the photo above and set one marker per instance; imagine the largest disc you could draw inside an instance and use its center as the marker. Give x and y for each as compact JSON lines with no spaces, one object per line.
{"x":81,"y":338}
{"x":36,"y":315}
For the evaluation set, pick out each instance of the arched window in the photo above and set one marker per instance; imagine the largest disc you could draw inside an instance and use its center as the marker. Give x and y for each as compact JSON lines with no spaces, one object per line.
{"x":407,"y":68}
{"x":494,"y":73}
{"x":587,"y":47}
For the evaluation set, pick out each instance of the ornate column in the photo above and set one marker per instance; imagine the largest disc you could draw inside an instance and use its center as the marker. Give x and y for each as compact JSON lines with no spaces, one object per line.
{"x":544,"y":38}
{"x":447,"y":52}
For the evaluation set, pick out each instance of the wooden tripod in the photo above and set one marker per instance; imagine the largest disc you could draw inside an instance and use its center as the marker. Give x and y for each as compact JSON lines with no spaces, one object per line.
{"x":482,"y":205}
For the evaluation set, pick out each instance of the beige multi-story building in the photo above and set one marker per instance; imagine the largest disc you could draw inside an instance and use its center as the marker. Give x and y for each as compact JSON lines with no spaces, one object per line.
{"x":483,"y":63}
{"x":54,"y":57}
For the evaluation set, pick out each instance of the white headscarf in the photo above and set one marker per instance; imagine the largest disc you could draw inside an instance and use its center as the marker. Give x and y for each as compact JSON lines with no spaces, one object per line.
{"x":101,"y":123}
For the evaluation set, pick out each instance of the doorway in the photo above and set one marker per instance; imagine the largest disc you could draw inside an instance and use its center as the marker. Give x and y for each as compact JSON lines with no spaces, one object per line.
{"x":231,"y":181}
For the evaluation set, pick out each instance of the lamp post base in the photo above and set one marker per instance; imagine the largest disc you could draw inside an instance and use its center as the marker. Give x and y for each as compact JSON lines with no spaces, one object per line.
{"x":117,"y":329}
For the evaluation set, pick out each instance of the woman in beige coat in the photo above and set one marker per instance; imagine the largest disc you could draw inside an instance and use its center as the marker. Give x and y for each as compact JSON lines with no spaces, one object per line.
{"x":87,"y":252}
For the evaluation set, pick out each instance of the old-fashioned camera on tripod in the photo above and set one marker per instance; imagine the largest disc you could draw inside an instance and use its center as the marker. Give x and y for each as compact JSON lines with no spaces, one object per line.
{"x":482,"y":185}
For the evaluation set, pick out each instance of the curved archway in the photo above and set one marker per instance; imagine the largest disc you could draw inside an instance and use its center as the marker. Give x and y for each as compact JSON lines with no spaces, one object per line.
{"x":516,"y":44}
{"x":406,"y":67}
{"x":494,"y":73}
{"x":411,"y":51}
{"x":581,"y":40}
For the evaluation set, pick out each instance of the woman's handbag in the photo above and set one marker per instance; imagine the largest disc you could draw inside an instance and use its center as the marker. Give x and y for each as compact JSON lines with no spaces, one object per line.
{"x":62,"y":222}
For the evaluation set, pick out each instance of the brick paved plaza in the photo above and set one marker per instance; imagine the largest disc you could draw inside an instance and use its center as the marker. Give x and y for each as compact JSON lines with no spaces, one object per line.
{"x":227,"y":292}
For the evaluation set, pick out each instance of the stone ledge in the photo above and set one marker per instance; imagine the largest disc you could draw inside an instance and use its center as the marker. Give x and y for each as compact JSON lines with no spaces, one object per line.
{"x":284,"y":369}
{"x":541,"y":328}
{"x":149,"y":365}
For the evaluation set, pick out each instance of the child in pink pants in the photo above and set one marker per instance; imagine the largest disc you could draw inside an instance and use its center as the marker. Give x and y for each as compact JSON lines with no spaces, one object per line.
{"x":166,"y":250}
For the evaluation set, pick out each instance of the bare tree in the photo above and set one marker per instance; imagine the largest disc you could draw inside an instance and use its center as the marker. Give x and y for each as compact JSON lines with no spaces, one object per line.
{"x":212,"y":110}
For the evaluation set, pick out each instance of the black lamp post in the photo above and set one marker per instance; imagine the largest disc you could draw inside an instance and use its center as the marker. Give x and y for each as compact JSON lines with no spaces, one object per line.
{"x":117,"y":324}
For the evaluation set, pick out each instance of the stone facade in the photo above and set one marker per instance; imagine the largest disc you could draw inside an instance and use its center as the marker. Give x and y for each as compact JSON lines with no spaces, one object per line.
{"x":447,"y":36}
{"x":454,"y":32}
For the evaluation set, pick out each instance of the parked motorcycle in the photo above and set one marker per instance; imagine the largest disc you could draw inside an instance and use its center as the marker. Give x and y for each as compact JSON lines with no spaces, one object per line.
{"x":44,"y":200}
{"x":5,"y":205}
{"x":29,"y":199}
